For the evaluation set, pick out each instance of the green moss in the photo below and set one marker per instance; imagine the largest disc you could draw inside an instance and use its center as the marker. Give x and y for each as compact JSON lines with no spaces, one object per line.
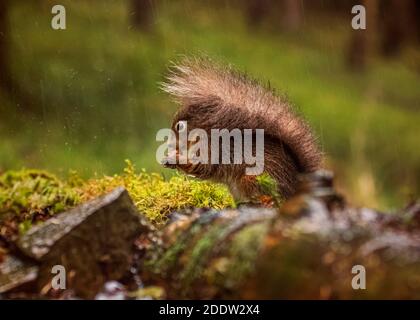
{"x":243,"y":252}
{"x":156,"y":197}
{"x":151,"y":292}
{"x":163,"y":264}
{"x":200,"y":255}
{"x":171,"y":258}
{"x":26,"y":193}
{"x":268,"y":187}
{"x":29,"y":192}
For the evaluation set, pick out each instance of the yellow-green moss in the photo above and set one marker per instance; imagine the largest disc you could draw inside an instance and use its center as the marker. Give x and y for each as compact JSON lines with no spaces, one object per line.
{"x":34,"y":191}
{"x":268,"y":186}
{"x":29,"y":191}
{"x":156,"y":197}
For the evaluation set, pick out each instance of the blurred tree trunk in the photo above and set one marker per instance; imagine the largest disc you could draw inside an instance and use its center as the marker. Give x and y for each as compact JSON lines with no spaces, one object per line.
{"x":394,"y":20}
{"x":7,"y":83}
{"x":256,"y":11}
{"x":397,"y":21}
{"x":142,"y":17}
{"x":288,"y":13}
{"x":417,"y":19}
{"x":292,"y":15}
{"x":362,"y":42}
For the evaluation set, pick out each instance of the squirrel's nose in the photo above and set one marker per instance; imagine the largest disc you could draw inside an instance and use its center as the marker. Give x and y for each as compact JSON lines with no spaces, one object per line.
{"x":170,"y":160}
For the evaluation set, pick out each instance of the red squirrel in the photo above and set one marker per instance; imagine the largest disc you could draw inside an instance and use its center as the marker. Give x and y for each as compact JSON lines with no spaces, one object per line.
{"x":213,"y":96}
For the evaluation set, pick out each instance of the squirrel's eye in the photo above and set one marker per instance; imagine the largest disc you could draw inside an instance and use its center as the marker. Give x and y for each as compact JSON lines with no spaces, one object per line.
{"x":180,"y":126}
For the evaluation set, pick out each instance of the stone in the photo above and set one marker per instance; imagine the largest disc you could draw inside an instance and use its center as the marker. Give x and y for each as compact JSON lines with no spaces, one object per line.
{"x":93,"y":242}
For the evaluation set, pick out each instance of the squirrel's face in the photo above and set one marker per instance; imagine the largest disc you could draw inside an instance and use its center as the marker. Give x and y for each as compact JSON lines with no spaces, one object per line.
{"x":180,"y":147}
{"x":186,"y":150}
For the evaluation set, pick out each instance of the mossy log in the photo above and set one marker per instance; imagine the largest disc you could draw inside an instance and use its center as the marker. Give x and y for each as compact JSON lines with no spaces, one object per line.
{"x":306,"y":249}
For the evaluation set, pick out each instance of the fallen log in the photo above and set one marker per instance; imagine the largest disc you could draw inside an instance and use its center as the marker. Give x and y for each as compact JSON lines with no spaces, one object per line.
{"x":314,"y":246}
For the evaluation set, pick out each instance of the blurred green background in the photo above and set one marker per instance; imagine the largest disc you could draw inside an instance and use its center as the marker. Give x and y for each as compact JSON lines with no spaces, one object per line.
{"x":87,"y":97}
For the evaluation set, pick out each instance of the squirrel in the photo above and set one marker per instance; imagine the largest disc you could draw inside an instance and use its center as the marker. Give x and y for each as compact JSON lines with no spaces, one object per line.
{"x":212,"y":95}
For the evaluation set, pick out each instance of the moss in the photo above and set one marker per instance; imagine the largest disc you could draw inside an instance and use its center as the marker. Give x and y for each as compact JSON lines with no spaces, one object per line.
{"x":151,"y":292}
{"x":34,"y":190}
{"x":199,"y":256}
{"x":268,"y":186}
{"x":156,"y":197}
{"x":172,"y":256}
{"x":243,"y":252}
{"x":26,"y":193}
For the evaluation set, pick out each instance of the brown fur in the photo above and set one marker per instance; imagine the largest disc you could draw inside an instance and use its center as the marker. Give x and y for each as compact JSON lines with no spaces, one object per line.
{"x":215,"y":96}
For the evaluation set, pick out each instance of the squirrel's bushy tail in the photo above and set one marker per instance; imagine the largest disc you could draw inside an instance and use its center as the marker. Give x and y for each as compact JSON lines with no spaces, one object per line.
{"x":196,"y":81}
